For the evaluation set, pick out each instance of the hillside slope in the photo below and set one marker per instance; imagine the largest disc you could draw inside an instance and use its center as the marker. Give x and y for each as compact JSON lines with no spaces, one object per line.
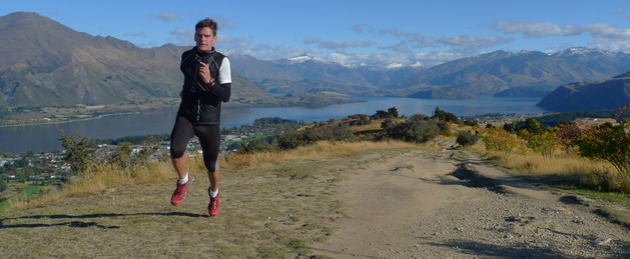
{"x":321,"y":207}
{"x":497,"y":71}
{"x":584,"y":96}
{"x":46,"y":63}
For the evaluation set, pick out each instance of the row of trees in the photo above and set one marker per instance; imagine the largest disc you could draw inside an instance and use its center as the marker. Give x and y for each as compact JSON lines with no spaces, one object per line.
{"x":418,"y":128}
{"x":81,"y":153}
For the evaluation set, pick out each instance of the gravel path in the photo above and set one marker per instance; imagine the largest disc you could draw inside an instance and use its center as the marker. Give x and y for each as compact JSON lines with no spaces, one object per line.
{"x":422,"y":205}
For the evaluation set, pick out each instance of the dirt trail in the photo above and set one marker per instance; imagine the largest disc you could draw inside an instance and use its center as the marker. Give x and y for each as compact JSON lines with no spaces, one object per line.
{"x":419,"y":205}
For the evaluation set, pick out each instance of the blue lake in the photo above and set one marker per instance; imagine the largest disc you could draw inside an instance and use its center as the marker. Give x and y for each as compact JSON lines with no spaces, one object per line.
{"x":18,"y":140}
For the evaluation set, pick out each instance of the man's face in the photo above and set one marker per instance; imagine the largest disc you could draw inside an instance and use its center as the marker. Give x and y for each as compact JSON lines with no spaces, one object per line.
{"x":205,"y":38}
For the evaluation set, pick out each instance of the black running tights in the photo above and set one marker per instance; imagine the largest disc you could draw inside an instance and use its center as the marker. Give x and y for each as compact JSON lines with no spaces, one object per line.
{"x":209,"y":138}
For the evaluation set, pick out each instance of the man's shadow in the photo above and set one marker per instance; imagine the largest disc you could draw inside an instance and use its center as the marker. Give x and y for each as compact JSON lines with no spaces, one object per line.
{"x":81,"y":224}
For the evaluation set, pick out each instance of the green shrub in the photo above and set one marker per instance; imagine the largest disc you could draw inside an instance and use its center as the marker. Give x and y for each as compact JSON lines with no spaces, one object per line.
{"x":466,"y":138}
{"x":416,"y":129}
{"x":3,"y":185}
{"x":296,"y":139}
{"x":257,"y":145}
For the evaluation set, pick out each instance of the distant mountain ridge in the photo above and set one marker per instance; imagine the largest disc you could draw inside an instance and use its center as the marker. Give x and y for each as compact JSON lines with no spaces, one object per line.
{"x":46,"y":63}
{"x":448,"y":94}
{"x":522,"y":92}
{"x":607,"y":94}
{"x":496,"y":71}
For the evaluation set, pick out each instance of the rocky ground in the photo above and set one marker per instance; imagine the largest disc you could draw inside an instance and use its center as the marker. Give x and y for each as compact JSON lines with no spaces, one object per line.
{"x":418,"y":205}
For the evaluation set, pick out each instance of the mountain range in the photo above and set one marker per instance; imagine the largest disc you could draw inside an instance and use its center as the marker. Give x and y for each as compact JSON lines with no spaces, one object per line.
{"x":607,"y":94}
{"x":46,"y":63}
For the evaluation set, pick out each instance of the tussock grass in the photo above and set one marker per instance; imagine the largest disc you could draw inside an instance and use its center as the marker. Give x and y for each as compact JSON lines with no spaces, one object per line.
{"x":538,"y":165}
{"x":562,"y":169}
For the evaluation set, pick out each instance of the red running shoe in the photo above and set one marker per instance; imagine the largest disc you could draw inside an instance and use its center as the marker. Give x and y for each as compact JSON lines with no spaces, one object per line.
{"x":180,"y":192}
{"x":214,"y":206}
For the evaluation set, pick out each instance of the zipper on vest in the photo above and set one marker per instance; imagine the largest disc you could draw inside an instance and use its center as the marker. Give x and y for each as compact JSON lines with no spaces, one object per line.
{"x":198,"y":109}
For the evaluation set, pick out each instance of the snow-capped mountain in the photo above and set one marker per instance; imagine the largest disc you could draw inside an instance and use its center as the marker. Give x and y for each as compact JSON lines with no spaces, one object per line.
{"x":584,"y":51}
{"x":486,"y":73}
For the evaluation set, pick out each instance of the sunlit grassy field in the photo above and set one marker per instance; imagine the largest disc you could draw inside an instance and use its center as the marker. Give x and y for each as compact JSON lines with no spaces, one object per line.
{"x":274,"y":205}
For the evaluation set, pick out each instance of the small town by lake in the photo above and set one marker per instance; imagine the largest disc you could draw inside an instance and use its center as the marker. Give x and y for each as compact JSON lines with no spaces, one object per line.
{"x":39,"y":137}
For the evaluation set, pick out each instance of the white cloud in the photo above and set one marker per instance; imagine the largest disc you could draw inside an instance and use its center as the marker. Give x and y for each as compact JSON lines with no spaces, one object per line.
{"x":345,"y":44}
{"x":184,"y":37}
{"x":168,"y":17}
{"x":238,"y":44}
{"x":620,"y":10}
{"x":360,"y":28}
{"x":341,"y":58}
{"x":262,"y":51}
{"x":536,"y":29}
{"x":393,"y":32}
{"x":225,"y":23}
{"x":345,"y":52}
{"x":434,"y":58}
{"x":419,"y":41}
{"x":310,"y":40}
{"x":543,"y":29}
{"x":137,"y":34}
{"x":400,"y":47}
{"x":607,"y":31}
{"x":336,"y":45}
{"x":558,"y":47}
{"x":475,"y":44}
{"x":611,"y":45}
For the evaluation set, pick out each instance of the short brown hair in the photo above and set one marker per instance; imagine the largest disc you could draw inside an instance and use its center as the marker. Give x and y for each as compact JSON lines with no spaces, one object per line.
{"x":208,"y":23}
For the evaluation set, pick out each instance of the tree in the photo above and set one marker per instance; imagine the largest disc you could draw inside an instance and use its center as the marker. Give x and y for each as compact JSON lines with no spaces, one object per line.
{"x":544,"y":143}
{"x":498,"y":139}
{"x":80,"y":152}
{"x":444,"y":116}
{"x":122,"y":156}
{"x":607,"y":143}
{"x":380,"y":114}
{"x":533,"y":126}
{"x":568,"y":134}
{"x":511,"y":127}
{"x":393,"y":112}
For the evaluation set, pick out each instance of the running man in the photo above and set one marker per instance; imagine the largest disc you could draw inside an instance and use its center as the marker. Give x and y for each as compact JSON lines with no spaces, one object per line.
{"x":207,"y":83}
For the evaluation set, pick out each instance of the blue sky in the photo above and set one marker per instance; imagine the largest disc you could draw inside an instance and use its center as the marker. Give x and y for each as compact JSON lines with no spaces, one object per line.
{"x":374,"y":32}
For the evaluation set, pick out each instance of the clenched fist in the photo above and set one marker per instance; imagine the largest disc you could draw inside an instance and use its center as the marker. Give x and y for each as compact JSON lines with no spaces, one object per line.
{"x":204,"y":73}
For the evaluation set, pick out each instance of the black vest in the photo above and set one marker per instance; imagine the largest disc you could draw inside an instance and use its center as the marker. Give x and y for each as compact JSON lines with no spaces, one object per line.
{"x":201,"y":104}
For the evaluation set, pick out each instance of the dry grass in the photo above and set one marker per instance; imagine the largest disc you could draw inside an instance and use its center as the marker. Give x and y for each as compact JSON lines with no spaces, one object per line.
{"x":104,"y":177}
{"x":97,"y":180}
{"x":274,"y":208}
{"x":565,"y":167}
{"x":538,"y":165}
{"x":318,"y":150}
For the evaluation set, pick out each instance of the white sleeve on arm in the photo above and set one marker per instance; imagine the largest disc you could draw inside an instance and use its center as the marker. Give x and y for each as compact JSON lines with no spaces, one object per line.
{"x":225,"y":77}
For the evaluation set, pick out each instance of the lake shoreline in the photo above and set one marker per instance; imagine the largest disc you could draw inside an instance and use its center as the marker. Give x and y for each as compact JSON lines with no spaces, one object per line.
{"x":44,"y":136}
{"x":69,"y":121}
